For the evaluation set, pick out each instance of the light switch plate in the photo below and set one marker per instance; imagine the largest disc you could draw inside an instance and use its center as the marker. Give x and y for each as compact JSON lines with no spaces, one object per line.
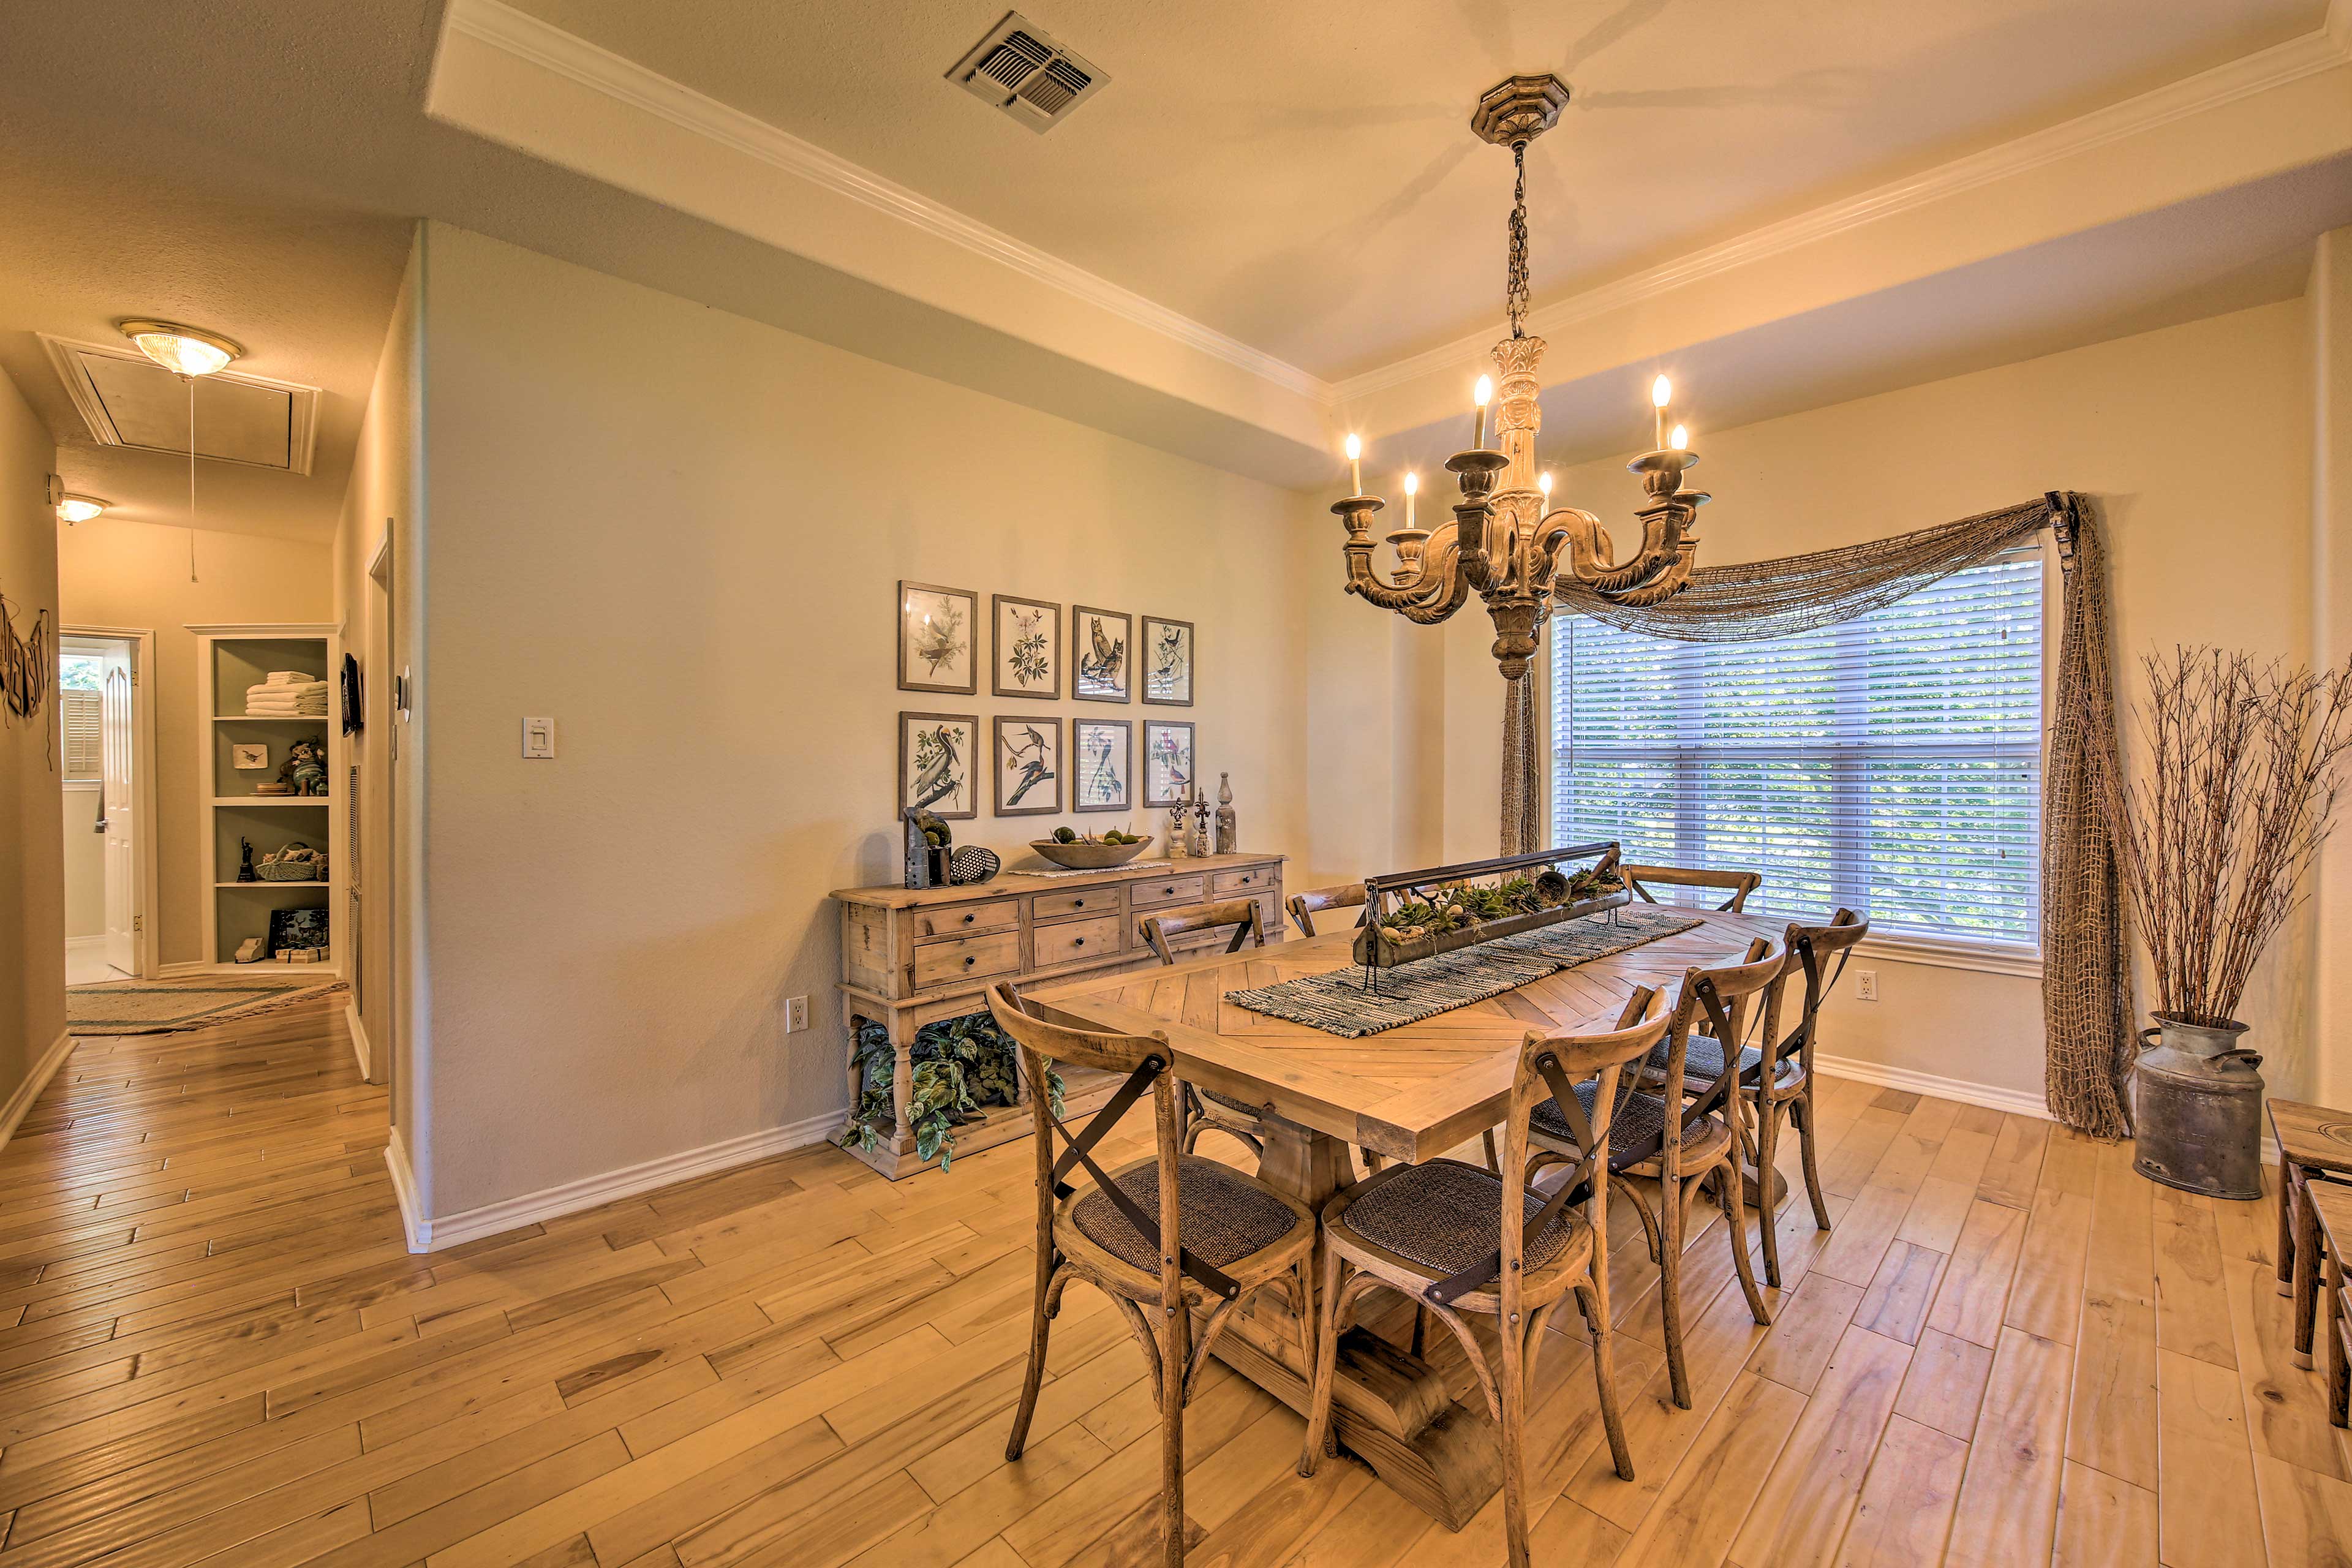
{"x":539,"y":738}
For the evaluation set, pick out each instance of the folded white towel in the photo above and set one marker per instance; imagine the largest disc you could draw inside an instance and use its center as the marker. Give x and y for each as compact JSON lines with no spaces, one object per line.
{"x":281,"y":709}
{"x":285,"y":696}
{"x":293,"y":677}
{"x":275,"y":688}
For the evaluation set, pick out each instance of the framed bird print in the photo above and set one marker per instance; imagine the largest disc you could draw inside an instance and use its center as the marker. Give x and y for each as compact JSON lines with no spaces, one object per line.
{"x":937,"y":634}
{"x":936,"y":753}
{"x":1028,"y":766}
{"x":1167,"y":648}
{"x":1102,"y":657}
{"x":1028,"y":647}
{"x":1167,"y":760}
{"x":1104,"y":751}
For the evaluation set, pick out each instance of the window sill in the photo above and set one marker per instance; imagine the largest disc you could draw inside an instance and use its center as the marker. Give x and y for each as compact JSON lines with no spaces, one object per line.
{"x":1982,"y":958}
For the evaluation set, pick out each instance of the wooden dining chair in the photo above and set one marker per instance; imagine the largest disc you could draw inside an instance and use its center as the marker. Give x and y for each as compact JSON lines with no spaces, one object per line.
{"x":1684,"y":1149}
{"x":1205,"y":1111}
{"x":1161,"y":1236}
{"x":1461,"y":1239}
{"x":1738,"y":884}
{"x":1304,"y":907}
{"x":1783,"y":1087}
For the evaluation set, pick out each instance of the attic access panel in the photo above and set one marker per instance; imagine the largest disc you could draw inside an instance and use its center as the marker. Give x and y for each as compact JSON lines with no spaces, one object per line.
{"x":127,"y":400}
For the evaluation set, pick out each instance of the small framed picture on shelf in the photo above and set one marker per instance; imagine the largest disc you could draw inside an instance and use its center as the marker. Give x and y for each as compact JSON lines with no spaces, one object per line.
{"x":939,"y":630}
{"x":936,"y":752}
{"x":1167,"y":760}
{"x":1102,"y":655}
{"x":297,"y":929}
{"x":247,"y":758}
{"x":1167,"y":648}
{"x":1028,"y":766}
{"x":1027,"y":647}
{"x":1104,"y":749}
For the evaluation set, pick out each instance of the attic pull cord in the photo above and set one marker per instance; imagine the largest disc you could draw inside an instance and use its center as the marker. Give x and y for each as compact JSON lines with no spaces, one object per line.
{"x":191,"y":476}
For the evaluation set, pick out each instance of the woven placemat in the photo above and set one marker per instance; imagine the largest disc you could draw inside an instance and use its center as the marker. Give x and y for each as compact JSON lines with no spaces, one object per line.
{"x":1338,"y":1004}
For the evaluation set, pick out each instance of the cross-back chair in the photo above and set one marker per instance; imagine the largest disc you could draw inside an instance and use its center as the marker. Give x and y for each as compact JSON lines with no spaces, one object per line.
{"x":1685,"y":1148}
{"x":1205,"y":1110}
{"x":1161,"y":1236}
{"x":1738,"y":884}
{"x":1461,"y":1239}
{"x":1305,"y":906}
{"x":1783,"y":1087}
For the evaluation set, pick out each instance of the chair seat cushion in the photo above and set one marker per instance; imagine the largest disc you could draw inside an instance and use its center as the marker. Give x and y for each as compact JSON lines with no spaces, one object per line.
{"x":1226,"y":1215}
{"x":1703,"y":1062}
{"x":1446,"y":1215}
{"x":1638,"y":1133}
{"x":1228,"y":1102}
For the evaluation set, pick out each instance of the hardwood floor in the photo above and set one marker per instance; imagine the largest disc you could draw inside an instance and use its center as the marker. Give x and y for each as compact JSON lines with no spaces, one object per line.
{"x":214,"y":1349}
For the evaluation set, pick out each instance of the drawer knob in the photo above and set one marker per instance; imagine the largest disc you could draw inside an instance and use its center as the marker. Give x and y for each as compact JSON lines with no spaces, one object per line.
{"x":970,"y":961}
{"x":967,"y":920}
{"x":1078,"y":903}
{"x":1080,"y":941}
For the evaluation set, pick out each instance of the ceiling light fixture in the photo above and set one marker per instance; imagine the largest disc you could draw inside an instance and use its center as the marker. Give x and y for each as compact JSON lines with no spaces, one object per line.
{"x":182,"y":349}
{"x":1509,"y":543}
{"x":73,"y":509}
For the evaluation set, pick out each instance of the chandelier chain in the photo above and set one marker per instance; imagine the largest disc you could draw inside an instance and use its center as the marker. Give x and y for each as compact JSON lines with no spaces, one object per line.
{"x":1516,"y":291}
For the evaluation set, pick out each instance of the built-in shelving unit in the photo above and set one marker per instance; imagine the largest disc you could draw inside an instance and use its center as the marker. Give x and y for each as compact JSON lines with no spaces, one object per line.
{"x":229,"y":659}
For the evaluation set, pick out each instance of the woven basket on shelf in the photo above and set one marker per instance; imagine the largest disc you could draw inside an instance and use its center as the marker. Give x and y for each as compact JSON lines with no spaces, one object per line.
{"x":280,"y":869}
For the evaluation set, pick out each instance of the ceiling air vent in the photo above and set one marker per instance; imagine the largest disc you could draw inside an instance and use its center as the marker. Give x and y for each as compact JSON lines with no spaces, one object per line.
{"x":1022,"y":71}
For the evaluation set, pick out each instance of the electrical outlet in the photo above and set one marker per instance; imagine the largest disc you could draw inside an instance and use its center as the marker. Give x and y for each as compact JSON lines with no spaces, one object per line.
{"x":796,"y":1014}
{"x":1866,"y":984}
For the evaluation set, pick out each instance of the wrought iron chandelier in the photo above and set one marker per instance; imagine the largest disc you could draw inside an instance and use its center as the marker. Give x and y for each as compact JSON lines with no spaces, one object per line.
{"x":1508,"y":542}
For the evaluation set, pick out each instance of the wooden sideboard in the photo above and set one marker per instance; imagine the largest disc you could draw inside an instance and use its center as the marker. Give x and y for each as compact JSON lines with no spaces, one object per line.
{"x":914,"y":956}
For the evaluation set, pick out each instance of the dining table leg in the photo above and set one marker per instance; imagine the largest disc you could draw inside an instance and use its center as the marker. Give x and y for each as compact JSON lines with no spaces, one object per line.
{"x":1394,"y":1410}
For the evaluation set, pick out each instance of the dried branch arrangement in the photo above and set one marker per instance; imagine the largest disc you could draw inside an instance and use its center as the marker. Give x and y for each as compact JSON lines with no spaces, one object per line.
{"x":26,"y":671}
{"x":2217,"y":836}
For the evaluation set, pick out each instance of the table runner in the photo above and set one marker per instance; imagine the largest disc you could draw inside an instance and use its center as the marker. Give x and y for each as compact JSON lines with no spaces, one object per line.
{"x":1337,"y":1002}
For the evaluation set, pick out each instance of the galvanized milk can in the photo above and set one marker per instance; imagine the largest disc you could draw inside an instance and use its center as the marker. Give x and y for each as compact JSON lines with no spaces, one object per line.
{"x":2198,"y":1102}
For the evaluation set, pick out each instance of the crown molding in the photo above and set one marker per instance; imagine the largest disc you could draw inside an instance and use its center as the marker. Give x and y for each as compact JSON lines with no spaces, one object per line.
{"x":2282,"y":64}
{"x":567,"y":55}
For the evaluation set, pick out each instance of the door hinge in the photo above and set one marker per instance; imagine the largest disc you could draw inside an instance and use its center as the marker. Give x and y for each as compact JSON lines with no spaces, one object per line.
{"x":137,"y":922}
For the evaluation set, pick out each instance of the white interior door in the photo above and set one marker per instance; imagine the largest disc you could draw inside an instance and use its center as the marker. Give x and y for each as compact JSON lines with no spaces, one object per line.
{"x":121,"y":808}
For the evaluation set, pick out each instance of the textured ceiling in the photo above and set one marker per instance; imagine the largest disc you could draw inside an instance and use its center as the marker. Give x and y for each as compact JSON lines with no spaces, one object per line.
{"x":1303,"y":177}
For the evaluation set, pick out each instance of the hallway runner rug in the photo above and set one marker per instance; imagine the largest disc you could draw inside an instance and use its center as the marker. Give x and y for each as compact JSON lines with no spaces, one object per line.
{"x":163,"y":1006}
{"x":1338,"y":1003}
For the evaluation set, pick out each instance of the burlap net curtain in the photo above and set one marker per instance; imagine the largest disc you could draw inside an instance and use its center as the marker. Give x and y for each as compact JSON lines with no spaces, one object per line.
{"x":2085,"y":969}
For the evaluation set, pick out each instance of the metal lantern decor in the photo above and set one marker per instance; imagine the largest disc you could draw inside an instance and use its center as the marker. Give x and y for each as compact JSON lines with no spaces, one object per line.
{"x":1506,"y":542}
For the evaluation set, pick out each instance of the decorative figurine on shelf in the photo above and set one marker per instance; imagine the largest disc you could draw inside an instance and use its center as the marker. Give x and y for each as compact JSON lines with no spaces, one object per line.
{"x":930,"y":848}
{"x":305,"y":769}
{"x":1200,"y":845}
{"x":1228,"y":834}
{"x":1179,"y":829}
{"x":244,"y":872}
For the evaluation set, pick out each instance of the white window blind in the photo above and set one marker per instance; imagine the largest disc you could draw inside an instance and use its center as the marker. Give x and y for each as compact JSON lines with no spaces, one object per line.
{"x":1892,"y":763}
{"x":82,"y":715}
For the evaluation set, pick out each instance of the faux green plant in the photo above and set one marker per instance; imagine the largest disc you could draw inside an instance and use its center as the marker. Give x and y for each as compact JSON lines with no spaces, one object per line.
{"x":960,"y":1064}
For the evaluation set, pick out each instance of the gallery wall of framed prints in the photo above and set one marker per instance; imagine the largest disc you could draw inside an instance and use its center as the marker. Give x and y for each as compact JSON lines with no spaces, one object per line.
{"x":1027,"y":761}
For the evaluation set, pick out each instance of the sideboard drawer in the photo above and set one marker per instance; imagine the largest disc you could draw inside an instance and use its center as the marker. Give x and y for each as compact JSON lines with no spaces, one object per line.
{"x":1233,"y":884}
{"x":963,"y":920}
{"x":966,"y":958}
{"x":1103,"y":901}
{"x":1069,"y":940}
{"x":1148,"y":894}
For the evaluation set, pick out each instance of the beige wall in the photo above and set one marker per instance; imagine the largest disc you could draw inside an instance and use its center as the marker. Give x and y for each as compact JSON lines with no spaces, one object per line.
{"x":679,"y":532}
{"x":135,"y":575}
{"x":32,"y":857}
{"x":85,"y":864}
{"x":2197,"y":442}
{"x":382,"y":495}
{"x":2330,"y":360}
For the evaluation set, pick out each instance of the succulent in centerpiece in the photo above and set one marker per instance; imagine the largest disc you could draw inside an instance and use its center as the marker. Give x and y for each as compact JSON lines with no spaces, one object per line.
{"x":1457,"y":906}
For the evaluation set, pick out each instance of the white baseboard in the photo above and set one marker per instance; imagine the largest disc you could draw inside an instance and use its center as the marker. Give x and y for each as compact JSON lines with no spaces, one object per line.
{"x":186,"y":966}
{"x":569,"y":1197}
{"x":2011,"y":1099}
{"x":18,"y":1102}
{"x":361,"y":1046}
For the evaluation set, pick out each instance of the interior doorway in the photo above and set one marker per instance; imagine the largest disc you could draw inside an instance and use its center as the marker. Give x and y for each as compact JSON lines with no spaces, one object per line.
{"x":107,"y":722}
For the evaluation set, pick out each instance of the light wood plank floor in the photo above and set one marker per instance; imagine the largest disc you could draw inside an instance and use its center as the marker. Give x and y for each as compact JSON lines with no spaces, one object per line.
{"x":214,"y":1349}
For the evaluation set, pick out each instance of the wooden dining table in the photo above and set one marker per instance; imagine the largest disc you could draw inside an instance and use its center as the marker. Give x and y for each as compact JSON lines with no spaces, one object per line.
{"x":1409,"y":1093}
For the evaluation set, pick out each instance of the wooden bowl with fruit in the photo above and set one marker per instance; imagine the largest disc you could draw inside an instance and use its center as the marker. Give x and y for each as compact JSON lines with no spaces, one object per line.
{"x":1078,"y":851}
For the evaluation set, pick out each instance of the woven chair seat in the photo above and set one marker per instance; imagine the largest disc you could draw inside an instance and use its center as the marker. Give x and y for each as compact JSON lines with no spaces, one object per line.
{"x":1226,"y":1214}
{"x":1703,"y":1063}
{"x":1639,"y":1132}
{"x":1242,"y":1106}
{"x":1447,"y":1216}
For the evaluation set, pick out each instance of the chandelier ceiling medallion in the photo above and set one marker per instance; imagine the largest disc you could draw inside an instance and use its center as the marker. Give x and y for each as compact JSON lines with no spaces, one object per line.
{"x":1508,"y":542}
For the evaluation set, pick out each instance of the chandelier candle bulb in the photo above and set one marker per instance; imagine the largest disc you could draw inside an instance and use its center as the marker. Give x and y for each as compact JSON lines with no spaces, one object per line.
{"x":1410,"y":485}
{"x":1479,"y":395}
{"x":1355,"y":465}
{"x":1680,"y":440}
{"x":1661,"y":393}
{"x":1543,"y":483}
